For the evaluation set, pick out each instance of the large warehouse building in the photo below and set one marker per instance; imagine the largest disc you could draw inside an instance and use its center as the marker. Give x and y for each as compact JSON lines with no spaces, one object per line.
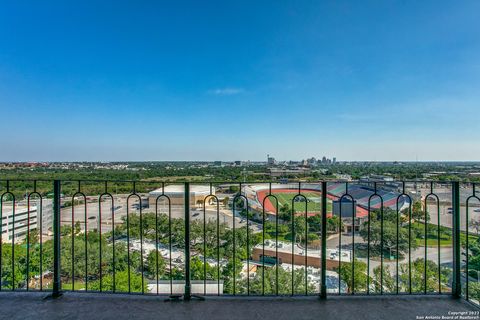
{"x":198,"y":193}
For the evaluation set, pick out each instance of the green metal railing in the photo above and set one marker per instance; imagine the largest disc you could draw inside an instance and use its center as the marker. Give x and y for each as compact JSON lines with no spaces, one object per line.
{"x":323,"y":238}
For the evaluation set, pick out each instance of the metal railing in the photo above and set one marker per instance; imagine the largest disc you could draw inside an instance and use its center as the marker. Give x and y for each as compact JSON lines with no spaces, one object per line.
{"x":241,"y":239}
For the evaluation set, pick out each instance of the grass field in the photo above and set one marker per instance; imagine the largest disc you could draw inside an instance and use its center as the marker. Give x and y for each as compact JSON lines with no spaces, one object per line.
{"x":432,"y":239}
{"x":79,"y":285}
{"x":313,"y":203}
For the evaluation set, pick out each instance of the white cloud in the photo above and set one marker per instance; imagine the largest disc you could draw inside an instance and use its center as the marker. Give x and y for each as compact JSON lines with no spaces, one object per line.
{"x":226,"y":91}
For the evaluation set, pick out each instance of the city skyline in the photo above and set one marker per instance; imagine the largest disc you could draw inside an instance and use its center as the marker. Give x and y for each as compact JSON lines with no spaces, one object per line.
{"x":392,"y":81}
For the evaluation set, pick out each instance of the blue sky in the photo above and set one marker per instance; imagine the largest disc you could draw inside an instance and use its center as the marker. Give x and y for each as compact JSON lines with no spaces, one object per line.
{"x":227,"y":80}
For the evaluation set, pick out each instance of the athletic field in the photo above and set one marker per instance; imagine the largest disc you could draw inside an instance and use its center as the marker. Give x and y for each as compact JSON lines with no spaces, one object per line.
{"x":286,"y":196}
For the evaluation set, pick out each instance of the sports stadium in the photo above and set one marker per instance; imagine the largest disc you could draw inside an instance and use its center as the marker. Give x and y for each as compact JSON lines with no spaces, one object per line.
{"x":272,"y":197}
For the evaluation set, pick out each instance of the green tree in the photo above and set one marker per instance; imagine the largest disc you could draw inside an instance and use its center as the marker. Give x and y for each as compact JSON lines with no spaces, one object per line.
{"x":312,"y":237}
{"x":121,"y":282}
{"x":387,"y":280}
{"x":240,"y":243}
{"x":13,"y":276}
{"x":198,"y":269}
{"x":285,"y":213}
{"x":419,"y":274}
{"x":418,"y":212}
{"x":239,"y":203}
{"x":269,"y":282}
{"x":315,"y":223}
{"x":82,"y":260}
{"x":208,"y":238}
{"x":474,"y":291}
{"x":77,"y":228}
{"x":385,"y":234}
{"x":299,"y":229}
{"x":34,"y":237}
{"x":348,"y":275}
{"x":150,"y":229}
{"x":151,"y":268}
{"x":230,"y":273}
{"x":334,"y":224}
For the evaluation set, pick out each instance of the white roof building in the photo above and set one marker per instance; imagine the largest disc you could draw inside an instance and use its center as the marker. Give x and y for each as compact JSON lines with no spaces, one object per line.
{"x":176,"y":194}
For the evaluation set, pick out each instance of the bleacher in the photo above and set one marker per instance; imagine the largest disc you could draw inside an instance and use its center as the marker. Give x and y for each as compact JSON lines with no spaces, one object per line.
{"x":362,"y":194}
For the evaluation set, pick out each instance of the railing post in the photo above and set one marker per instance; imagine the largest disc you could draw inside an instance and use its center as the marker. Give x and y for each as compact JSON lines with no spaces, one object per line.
{"x":456,"y":288}
{"x":56,"y":240}
{"x":323,"y":290}
{"x":188,"y":292}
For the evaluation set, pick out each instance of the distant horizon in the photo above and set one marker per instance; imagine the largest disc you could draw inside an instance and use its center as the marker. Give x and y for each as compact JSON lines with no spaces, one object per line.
{"x":246,"y":160}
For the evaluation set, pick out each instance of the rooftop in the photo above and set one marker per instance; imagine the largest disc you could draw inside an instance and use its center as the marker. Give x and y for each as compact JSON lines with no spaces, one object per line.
{"x":332,"y":254}
{"x":180,"y":189}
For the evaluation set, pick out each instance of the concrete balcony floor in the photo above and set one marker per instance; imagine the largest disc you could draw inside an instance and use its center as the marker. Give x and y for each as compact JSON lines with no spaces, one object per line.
{"x":107,"y":306}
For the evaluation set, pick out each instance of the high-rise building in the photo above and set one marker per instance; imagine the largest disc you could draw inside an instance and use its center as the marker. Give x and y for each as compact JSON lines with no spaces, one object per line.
{"x":271,"y":160}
